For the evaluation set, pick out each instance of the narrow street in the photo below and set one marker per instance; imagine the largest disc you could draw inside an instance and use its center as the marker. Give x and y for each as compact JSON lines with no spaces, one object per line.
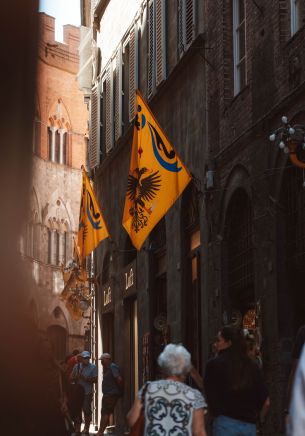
{"x":152,"y":183}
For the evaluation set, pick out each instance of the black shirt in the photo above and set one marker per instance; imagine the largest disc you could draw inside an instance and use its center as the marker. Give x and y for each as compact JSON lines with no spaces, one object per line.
{"x":243,"y":404}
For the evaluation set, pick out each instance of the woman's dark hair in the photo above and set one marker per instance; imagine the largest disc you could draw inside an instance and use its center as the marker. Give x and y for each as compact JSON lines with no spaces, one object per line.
{"x":240,"y":366}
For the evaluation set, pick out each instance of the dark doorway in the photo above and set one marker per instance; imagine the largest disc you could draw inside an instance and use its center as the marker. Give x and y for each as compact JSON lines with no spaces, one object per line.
{"x":238,"y":270}
{"x":58,"y":338}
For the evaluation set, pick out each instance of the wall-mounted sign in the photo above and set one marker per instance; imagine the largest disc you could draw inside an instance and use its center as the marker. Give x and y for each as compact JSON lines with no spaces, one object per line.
{"x":129,"y":282}
{"x":107,"y":297}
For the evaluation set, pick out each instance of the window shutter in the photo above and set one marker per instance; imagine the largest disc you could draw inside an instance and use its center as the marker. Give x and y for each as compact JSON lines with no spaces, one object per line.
{"x":151,"y":49}
{"x":118,"y":95}
{"x":94,"y":146}
{"x":160,"y":41}
{"x":133,"y":67}
{"x":190,"y":22}
{"x":181,"y":27}
{"x":109,"y":110}
{"x":186,"y":24}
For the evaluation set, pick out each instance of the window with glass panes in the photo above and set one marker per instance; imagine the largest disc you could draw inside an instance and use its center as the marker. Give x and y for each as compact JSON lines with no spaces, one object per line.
{"x":239,"y":45}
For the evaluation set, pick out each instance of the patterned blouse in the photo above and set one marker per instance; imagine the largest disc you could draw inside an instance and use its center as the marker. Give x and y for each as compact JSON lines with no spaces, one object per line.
{"x":169,"y":408}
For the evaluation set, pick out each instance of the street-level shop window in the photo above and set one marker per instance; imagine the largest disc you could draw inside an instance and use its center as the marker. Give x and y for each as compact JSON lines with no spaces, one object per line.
{"x":239,"y":45}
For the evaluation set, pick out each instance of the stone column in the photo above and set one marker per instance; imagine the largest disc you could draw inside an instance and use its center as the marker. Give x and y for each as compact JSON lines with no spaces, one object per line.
{"x":53,"y":144}
{"x":61,"y":153}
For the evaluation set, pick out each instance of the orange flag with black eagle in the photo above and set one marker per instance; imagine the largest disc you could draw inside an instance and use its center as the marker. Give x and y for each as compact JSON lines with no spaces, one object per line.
{"x":92,"y":227}
{"x":157,"y":176}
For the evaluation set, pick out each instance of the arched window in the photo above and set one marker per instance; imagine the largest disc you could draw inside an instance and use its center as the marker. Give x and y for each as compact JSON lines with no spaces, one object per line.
{"x":53,"y":245}
{"x":238,"y":268}
{"x":58,"y":133}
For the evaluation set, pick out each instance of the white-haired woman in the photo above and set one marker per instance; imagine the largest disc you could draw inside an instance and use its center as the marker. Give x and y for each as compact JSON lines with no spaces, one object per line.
{"x":171,"y":407}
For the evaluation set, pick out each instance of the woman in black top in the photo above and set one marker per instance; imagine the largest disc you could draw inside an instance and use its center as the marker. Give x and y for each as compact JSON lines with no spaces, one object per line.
{"x":235,"y":391}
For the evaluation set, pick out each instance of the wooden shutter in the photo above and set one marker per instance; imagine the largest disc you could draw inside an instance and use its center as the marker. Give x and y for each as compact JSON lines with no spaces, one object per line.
{"x":118,"y":95}
{"x":133,"y":70}
{"x":109,"y":110}
{"x":94,"y":146}
{"x":151,"y":49}
{"x":186,"y":24}
{"x":181,"y":27}
{"x":190,"y":21}
{"x":160,"y":41}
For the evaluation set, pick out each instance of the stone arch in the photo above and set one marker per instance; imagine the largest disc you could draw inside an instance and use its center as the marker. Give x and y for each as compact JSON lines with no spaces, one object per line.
{"x":60,"y":209}
{"x":63,"y":319}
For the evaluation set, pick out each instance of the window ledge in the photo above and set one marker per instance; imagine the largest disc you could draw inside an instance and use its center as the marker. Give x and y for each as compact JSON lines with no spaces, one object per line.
{"x":239,"y":95}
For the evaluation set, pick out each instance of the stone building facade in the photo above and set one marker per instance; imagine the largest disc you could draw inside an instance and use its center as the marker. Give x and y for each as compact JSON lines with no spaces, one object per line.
{"x":218,"y":76}
{"x":255,"y":209}
{"x":59,"y":150}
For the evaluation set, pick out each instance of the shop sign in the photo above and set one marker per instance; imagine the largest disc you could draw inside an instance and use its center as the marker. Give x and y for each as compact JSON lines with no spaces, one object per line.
{"x":129,"y":279}
{"x":107,"y":297}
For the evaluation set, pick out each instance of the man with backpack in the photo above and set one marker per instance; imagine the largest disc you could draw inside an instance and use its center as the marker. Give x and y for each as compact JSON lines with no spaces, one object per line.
{"x":112,"y":388}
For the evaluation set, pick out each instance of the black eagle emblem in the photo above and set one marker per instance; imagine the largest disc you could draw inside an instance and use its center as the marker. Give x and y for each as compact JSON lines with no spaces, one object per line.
{"x":142,"y":187}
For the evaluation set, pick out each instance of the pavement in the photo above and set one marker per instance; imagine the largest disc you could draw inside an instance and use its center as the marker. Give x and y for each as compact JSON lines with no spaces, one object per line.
{"x":93,"y":431}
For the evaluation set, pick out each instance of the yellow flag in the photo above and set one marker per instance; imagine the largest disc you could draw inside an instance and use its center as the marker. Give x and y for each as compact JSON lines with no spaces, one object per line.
{"x":156,"y":177}
{"x":92,"y":228}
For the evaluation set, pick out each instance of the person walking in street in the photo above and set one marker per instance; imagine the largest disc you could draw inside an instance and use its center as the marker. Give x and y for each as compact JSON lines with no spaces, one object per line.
{"x":170,"y":406}
{"x":112,"y":388}
{"x":236,"y":394}
{"x":85,"y":374}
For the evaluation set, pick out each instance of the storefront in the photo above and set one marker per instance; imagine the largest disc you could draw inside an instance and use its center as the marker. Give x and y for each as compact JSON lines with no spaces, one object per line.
{"x":128,"y":286}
